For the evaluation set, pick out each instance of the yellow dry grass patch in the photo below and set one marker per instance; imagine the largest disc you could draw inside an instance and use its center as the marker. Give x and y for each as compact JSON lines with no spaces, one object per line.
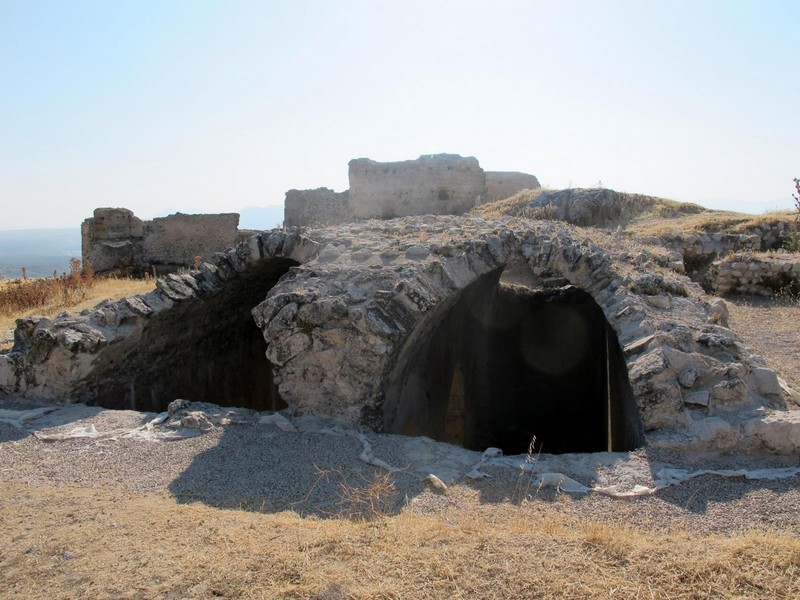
{"x":659,"y":215}
{"x":74,"y":300}
{"x":706,"y":221}
{"x":67,"y":542}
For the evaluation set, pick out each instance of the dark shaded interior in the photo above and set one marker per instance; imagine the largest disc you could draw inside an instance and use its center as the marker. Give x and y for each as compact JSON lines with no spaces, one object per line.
{"x":504,"y":365}
{"x":207,"y":350}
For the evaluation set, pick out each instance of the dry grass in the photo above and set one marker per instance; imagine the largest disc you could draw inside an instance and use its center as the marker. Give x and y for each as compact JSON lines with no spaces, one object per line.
{"x":648,"y":215}
{"x":49,"y":296}
{"x":68,"y":542}
{"x":706,"y":221}
{"x":771,"y":328}
{"x":510,"y":206}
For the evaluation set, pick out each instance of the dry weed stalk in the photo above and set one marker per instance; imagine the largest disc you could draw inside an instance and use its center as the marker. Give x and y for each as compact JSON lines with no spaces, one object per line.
{"x":370,"y":499}
{"x":527,"y":472}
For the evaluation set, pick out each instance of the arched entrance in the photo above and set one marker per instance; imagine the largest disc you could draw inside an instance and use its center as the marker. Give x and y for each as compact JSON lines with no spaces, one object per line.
{"x":207,"y":350}
{"x":499,"y":365}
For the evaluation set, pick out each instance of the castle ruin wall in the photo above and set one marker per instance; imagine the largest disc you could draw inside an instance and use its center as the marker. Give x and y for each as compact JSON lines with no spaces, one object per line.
{"x":504,"y":184}
{"x":440,"y":184}
{"x":321,"y":206}
{"x":114,"y":238}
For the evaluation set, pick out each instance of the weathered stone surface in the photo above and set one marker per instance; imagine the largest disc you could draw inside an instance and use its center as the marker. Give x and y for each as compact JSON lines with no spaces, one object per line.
{"x":778,"y":432}
{"x":343,"y":304}
{"x":699,"y":398}
{"x":504,"y":184}
{"x":590,"y":207}
{"x":437,"y":184}
{"x":766,"y":381}
{"x":322,"y":206}
{"x":714,"y":433}
{"x":114,"y":238}
{"x":718,"y":313}
{"x":8,"y":375}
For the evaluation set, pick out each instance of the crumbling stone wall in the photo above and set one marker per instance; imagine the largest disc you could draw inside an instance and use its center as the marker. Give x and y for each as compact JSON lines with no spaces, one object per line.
{"x":114,"y":238}
{"x":749,"y":274}
{"x":439,"y":184}
{"x":178,"y":238}
{"x":504,"y":184}
{"x":111,"y":238}
{"x":321,"y":206}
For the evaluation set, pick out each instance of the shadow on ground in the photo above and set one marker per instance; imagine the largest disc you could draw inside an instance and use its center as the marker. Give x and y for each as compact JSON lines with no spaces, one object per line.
{"x":259,"y":468}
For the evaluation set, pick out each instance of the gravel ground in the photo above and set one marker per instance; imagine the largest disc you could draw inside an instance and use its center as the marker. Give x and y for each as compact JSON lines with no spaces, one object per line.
{"x":260,"y":467}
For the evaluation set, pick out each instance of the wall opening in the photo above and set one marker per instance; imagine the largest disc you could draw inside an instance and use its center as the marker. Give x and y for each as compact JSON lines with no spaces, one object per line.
{"x":499,"y":365}
{"x":207,"y":350}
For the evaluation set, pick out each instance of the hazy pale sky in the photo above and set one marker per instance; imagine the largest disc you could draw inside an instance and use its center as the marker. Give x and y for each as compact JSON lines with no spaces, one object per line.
{"x":204,"y":106}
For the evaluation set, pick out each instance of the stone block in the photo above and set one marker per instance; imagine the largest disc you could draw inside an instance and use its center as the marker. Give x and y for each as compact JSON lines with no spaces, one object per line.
{"x":766,"y":381}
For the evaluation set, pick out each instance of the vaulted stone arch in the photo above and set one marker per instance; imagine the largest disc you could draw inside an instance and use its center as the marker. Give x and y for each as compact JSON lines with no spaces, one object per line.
{"x":192,"y":337}
{"x":344,"y":308}
{"x":342,"y":326}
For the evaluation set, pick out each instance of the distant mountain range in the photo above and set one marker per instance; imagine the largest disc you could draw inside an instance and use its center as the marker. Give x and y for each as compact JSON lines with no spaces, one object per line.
{"x":42,"y":251}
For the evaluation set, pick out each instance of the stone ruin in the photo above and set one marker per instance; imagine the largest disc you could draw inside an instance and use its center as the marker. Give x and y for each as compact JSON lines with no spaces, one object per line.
{"x":115,"y":238}
{"x":475,"y":330}
{"x":437,"y":184}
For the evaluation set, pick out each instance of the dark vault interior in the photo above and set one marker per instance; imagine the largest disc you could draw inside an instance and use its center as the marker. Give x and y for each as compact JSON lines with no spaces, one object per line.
{"x":505,"y":365}
{"x":207,"y":350}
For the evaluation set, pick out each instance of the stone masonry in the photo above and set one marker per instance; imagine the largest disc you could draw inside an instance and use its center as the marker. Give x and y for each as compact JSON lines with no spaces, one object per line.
{"x":338,"y":323}
{"x":763,"y":274}
{"x":114,"y":238}
{"x":316,"y":207}
{"x":438,"y":184}
{"x":504,"y":184}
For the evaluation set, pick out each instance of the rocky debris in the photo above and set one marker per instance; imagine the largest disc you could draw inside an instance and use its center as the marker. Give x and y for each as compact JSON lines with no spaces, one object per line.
{"x":336,"y":324}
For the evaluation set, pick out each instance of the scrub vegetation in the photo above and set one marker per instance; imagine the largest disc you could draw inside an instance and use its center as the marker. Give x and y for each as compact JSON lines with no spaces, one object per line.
{"x":47,"y":296}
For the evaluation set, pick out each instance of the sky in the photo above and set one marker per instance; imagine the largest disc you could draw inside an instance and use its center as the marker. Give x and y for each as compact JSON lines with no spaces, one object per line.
{"x":206,"y":106}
